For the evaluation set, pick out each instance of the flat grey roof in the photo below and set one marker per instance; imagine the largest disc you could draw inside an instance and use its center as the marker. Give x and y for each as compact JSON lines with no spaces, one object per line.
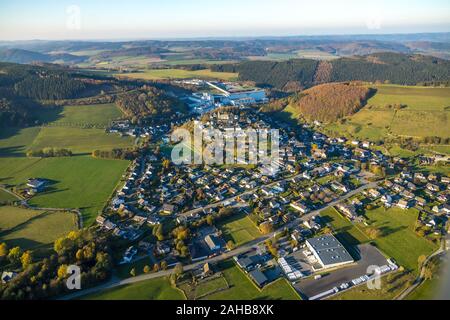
{"x":330,"y":250}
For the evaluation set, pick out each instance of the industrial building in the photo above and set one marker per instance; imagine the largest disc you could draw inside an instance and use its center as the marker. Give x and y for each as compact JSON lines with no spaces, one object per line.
{"x":328,"y":251}
{"x":234,"y":94}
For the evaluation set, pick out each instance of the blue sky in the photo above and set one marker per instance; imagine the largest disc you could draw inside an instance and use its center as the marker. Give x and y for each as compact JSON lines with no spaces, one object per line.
{"x":114,"y":19}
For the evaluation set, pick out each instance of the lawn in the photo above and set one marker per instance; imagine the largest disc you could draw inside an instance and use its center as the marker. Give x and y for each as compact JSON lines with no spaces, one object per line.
{"x":239,"y":229}
{"x":76,"y":182}
{"x":398,"y":239}
{"x":30,"y":229}
{"x":156,"y":74}
{"x":154,"y":289}
{"x":242,"y":288}
{"x":391,"y":286}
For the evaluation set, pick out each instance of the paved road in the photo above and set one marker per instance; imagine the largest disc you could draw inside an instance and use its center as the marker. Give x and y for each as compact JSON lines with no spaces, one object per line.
{"x":242,"y":249}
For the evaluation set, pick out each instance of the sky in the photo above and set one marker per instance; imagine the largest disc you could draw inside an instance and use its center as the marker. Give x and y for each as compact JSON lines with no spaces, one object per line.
{"x":157,"y":19}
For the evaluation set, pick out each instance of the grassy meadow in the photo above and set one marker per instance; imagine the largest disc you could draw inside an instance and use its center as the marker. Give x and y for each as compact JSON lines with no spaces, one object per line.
{"x":157,"y":74}
{"x":426,"y":114}
{"x":32,"y":229}
{"x":75,"y":182}
{"x":397,"y":239}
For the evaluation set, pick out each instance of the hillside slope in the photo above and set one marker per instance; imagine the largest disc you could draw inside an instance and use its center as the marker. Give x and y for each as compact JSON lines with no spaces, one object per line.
{"x":330,"y":102}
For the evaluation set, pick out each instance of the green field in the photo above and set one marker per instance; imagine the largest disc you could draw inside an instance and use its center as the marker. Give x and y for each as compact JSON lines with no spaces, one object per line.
{"x":239,"y":229}
{"x":179,"y":74}
{"x":98,"y":115}
{"x":76,"y":182}
{"x":154,"y":289}
{"x":398,"y":239}
{"x":78,"y":140}
{"x":346,"y":231}
{"x":66,"y":129}
{"x":31,"y":229}
{"x":425,"y":114}
{"x":242,"y":288}
{"x":6,"y":197}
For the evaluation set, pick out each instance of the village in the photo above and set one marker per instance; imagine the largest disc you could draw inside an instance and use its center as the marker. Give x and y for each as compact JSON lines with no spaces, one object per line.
{"x":316,"y":172}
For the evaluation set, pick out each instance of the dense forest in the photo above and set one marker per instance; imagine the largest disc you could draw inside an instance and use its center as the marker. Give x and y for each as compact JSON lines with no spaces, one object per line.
{"x":385,"y":67}
{"x":148,"y":101}
{"x":330,"y":102}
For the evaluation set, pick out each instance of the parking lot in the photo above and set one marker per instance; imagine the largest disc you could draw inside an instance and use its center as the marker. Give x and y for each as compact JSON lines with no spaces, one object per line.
{"x":369,"y":256}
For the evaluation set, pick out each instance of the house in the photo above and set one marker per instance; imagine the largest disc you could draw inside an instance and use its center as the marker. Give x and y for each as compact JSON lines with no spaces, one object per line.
{"x":162,"y":248}
{"x":168,"y":209}
{"x":433,"y":187}
{"x":8,"y":276}
{"x":420,"y":201}
{"x":197,"y":252}
{"x":404,"y":204}
{"x":299,"y":207}
{"x":347,"y":209}
{"x":213,"y":242}
{"x":337,"y":186}
{"x":374,"y":193}
{"x":129,"y":255}
{"x":36,"y":184}
{"x":258,"y":277}
{"x":442,"y":209}
{"x":386,"y":198}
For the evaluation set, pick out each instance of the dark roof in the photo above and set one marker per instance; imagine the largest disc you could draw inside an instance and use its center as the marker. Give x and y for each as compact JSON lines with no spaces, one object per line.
{"x":258,"y":277}
{"x":197,"y":251}
{"x":329,"y":250}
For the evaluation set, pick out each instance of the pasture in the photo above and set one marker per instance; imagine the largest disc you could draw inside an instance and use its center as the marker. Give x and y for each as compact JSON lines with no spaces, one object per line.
{"x":79,"y":141}
{"x":153,"y":289}
{"x":239,"y":229}
{"x":75,"y":182}
{"x":71,"y":127}
{"x":96,"y":115}
{"x":157,"y":74}
{"x":425,"y":113}
{"x":33,"y":229}
{"x":398,"y":238}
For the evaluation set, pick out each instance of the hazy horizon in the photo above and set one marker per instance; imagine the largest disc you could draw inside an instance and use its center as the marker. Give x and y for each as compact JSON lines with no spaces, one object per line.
{"x":177,"y":19}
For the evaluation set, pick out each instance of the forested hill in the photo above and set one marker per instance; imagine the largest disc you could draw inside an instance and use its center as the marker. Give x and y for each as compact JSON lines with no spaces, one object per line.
{"x":330,"y":102}
{"x":149,"y":102}
{"x":294,"y":74}
{"x":21,"y":86}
